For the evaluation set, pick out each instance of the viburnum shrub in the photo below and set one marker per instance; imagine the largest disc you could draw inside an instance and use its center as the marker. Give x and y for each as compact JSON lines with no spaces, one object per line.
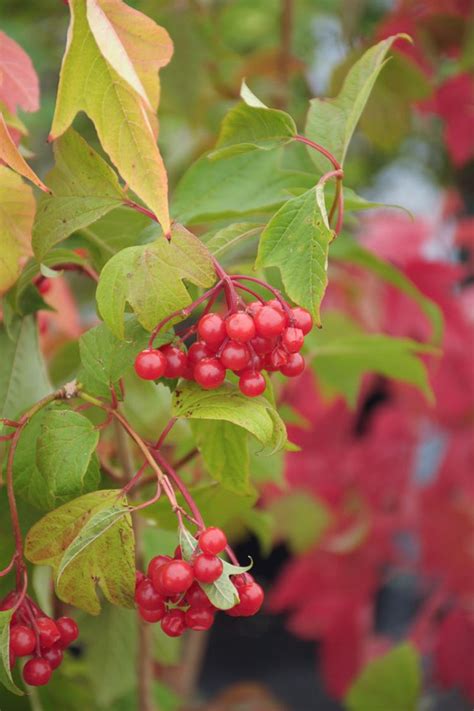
{"x":151,"y":426}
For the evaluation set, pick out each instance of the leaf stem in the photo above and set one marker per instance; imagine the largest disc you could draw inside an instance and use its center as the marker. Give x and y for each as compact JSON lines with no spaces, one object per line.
{"x":319,"y":148}
{"x":181,"y":487}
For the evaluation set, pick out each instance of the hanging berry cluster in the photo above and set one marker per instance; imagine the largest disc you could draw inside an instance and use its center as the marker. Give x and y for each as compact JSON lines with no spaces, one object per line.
{"x":171,"y":593}
{"x":33,"y":634}
{"x":249,"y":338}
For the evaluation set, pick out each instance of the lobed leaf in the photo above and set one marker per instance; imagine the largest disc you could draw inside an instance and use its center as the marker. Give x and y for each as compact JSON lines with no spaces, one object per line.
{"x":296,"y":241}
{"x":88,"y":542}
{"x":150,"y":278}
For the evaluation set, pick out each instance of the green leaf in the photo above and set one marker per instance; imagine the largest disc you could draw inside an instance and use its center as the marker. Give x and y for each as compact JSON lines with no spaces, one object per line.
{"x":88,"y":541}
{"x":106,"y":357}
{"x":5,"y":673}
{"x":17,"y":209}
{"x":391,"y":682}
{"x":296,"y":240}
{"x":300,"y":519}
{"x":240,"y":185}
{"x":253,"y":125}
{"x":224,"y":449}
{"x":109,"y":70}
{"x":227,"y":403}
{"x":231,"y":236}
{"x":23,"y":377}
{"x":348,"y":250}
{"x":61,"y":476}
{"x":84,"y":189}
{"x":332,"y":122}
{"x":64,"y":449}
{"x":341,"y":354}
{"x":121,"y":228}
{"x":150,"y":278}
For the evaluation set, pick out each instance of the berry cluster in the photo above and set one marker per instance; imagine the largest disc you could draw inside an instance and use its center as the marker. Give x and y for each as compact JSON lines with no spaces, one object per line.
{"x":34,"y":634}
{"x":262,"y":336}
{"x":170,"y":592}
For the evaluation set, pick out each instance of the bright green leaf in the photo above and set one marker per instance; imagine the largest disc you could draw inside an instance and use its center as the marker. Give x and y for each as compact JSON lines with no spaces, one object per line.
{"x":84,"y":189}
{"x":5,"y":673}
{"x":231,"y":236}
{"x":150,"y":278}
{"x":226,"y":403}
{"x":88,"y":541}
{"x":332,"y":122}
{"x":109,"y":71}
{"x":296,"y":240}
{"x":391,"y":682}
{"x":224,"y":449}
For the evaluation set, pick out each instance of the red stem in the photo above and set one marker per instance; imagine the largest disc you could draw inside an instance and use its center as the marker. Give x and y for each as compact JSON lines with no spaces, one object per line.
{"x":181,"y":487}
{"x":250,"y":291}
{"x":165,"y":432}
{"x":320,"y":149}
{"x":271,"y":289}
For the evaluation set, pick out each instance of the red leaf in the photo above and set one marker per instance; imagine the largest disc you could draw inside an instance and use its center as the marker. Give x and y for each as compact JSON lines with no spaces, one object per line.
{"x":19,"y":85}
{"x":455,"y":104}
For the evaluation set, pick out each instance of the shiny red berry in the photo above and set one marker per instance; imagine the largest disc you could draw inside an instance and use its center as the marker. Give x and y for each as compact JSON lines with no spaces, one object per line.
{"x":48,"y":631}
{"x":174,"y":623}
{"x":251,"y":600}
{"x":146,"y":596}
{"x":235,"y":356}
{"x":139,"y":576}
{"x":253,"y":307}
{"x":209,"y":373}
{"x":196,"y":597}
{"x":176,"y":361}
{"x":292,"y":339}
{"x":54,"y":656}
{"x":240,"y":327}
{"x":207,"y":568}
{"x":212,"y":540}
{"x":43,"y":285}
{"x":175,"y":577}
{"x":68,"y":630}
{"x":252,"y":383}
{"x":303,"y":319}
{"x":37,"y":671}
{"x":199,"y":619}
{"x":269,"y":322}
{"x":154,"y":615}
{"x":156,"y":563}
{"x":262,"y":345}
{"x":211,"y":329}
{"x":22,"y":641}
{"x":198,"y":351}
{"x":294,"y":366}
{"x":150,"y":364}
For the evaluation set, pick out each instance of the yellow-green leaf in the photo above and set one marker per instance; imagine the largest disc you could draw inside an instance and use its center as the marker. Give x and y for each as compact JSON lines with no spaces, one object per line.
{"x":117,"y":86}
{"x":17,"y":210}
{"x":12,"y":156}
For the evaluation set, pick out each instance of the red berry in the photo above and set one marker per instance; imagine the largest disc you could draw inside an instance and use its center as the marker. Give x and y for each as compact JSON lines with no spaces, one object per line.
{"x":199,"y":619}
{"x":175,"y":577}
{"x":209,"y":373}
{"x":294,"y":366}
{"x":235,"y":356}
{"x":139,"y":577}
{"x":54,"y":656}
{"x":196,"y":597}
{"x":198,"y":351}
{"x":146,"y":596}
{"x":207,"y":568}
{"x":212,"y":540}
{"x":276,"y":304}
{"x":156,"y":563}
{"x":48,"y":631}
{"x":152,"y":615}
{"x":150,"y":364}
{"x":253,"y":307}
{"x":278,"y":358}
{"x":68,"y":630}
{"x":240,"y":327}
{"x":252,"y":383}
{"x":174,"y":623}
{"x":37,"y":671}
{"x":242,"y":579}
{"x":22,"y":641}
{"x":176,"y":361}
{"x":292,"y":339}
{"x":43,"y":285}
{"x":269,"y":322}
{"x":251,"y":600}
{"x":303,"y":319}
{"x":262,"y":345}
{"x":211,"y":329}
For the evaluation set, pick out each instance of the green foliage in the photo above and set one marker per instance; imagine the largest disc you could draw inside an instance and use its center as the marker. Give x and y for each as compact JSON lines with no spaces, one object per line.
{"x":88,"y":541}
{"x":84,"y":189}
{"x":224,"y":449}
{"x":150,"y":278}
{"x":300,"y":520}
{"x":5,"y":673}
{"x":392,"y":682}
